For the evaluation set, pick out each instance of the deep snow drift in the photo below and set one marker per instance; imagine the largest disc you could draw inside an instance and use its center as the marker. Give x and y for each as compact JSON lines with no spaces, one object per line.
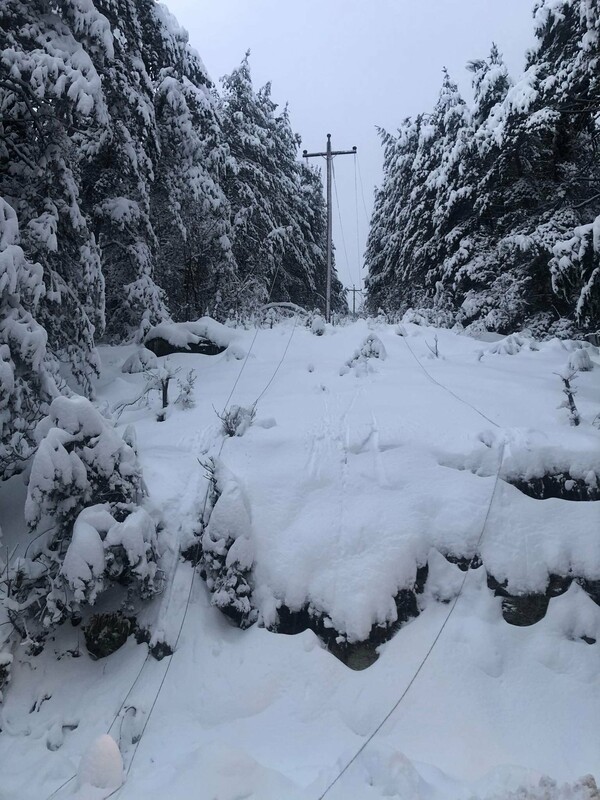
{"x":357,"y":469}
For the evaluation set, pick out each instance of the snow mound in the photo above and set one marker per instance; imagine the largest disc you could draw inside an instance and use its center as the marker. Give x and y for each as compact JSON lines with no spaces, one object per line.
{"x":372,"y":347}
{"x":580,"y":360}
{"x":140,"y":361}
{"x":101,"y":765}
{"x":203,"y":335}
{"x":511,"y":345}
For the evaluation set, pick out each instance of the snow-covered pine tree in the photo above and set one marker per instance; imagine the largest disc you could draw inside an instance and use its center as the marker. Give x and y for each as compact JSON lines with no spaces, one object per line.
{"x":270,"y":212}
{"x":53,"y":110}
{"x":452,"y":196}
{"x":391,"y":210}
{"x":117,"y":176}
{"x":418,"y":205}
{"x":257,"y":236}
{"x":227,"y":551}
{"x":190,"y":212}
{"x":474,"y":268}
{"x":569,"y":38}
{"x":514,"y":192}
{"x":27,"y":383}
{"x":82,"y":508}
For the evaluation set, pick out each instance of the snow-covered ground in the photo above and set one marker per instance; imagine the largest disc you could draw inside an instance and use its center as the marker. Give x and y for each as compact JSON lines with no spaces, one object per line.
{"x":353,"y":476}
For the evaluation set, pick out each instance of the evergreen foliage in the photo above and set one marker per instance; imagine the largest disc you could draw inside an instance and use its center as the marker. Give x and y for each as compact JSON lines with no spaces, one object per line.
{"x":490,"y":212}
{"x":81,"y":505}
{"x":278,"y":214}
{"x":130,"y":187}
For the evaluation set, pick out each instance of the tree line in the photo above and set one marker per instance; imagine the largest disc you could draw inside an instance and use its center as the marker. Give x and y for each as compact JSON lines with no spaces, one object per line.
{"x":488,"y":215}
{"x":133,"y":190}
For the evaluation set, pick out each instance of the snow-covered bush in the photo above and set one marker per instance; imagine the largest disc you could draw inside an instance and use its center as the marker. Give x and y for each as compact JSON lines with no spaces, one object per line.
{"x":513,"y":344}
{"x":104,"y":549}
{"x":204,"y":335}
{"x":81,"y":505}
{"x":580,"y":361}
{"x":227,"y":552}
{"x":372,"y":347}
{"x":236,"y":420}
{"x":140,"y":361}
{"x":437,"y":317}
{"x":157,"y":380}
{"x":434,"y":350}
{"x":547,"y":789}
{"x":186,"y":398}
{"x":80,"y":461}
{"x":317,"y":325}
{"x":570,"y":391}
{"x":105,"y":633}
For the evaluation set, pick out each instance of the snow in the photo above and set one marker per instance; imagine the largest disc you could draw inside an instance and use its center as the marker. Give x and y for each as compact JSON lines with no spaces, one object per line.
{"x":143,"y":359}
{"x":182,"y":334}
{"x":84,"y":560}
{"x":331,"y":499}
{"x":101,"y":765}
{"x":580,"y":360}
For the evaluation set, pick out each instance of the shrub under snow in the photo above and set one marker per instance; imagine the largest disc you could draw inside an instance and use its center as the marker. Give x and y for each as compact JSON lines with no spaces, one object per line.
{"x":81,"y":504}
{"x":227,"y":549}
{"x":372,"y":347}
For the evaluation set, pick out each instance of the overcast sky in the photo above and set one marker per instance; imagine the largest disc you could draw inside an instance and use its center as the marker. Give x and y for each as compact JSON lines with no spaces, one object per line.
{"x":346,"y":66}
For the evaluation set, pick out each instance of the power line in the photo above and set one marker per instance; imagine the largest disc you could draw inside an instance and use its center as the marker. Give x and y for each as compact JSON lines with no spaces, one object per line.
{"x":431,"y":647}
{"x":362,"y":191}
{"x":446,"y":389}
{"x":164,"y":677}
{"x":460,"y":590}
{"x":337,"y":202}
{"x":272,"y":378}
{"x":148,"y":655}
{"x":252,"y":343}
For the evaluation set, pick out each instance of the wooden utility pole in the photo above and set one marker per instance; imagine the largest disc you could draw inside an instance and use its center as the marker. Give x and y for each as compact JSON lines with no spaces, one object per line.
{"x":329,"y":156}
{"x":354,"y":291}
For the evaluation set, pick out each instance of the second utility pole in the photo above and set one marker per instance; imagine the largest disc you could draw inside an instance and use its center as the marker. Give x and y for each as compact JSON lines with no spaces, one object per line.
{"x":328,"y":155}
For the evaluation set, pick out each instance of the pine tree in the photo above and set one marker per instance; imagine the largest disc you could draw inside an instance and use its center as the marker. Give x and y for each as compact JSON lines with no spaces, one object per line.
{"x":27,"y":382}
{"x":53,"y":109}
{"x":569,"y":41}
{"x":83,"y":492}
{"x":117,"y":176}
{"x":501,"y":201}
{"x":271,"y":236}
{"x":386,"y":289}
{"x":190,"y":212}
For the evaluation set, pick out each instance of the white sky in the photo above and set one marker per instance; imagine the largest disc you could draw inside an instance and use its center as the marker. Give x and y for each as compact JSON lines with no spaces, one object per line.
{"x":346,"y":66}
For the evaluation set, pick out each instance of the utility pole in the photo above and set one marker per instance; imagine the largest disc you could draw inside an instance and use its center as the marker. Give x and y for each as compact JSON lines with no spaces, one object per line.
{"x":329,"y":156}
{"x":354,"y":291}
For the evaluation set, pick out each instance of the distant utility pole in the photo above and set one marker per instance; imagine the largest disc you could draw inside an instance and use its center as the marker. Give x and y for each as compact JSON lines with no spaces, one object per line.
{"x":329,"y":155}
{"x":354,"y":291}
